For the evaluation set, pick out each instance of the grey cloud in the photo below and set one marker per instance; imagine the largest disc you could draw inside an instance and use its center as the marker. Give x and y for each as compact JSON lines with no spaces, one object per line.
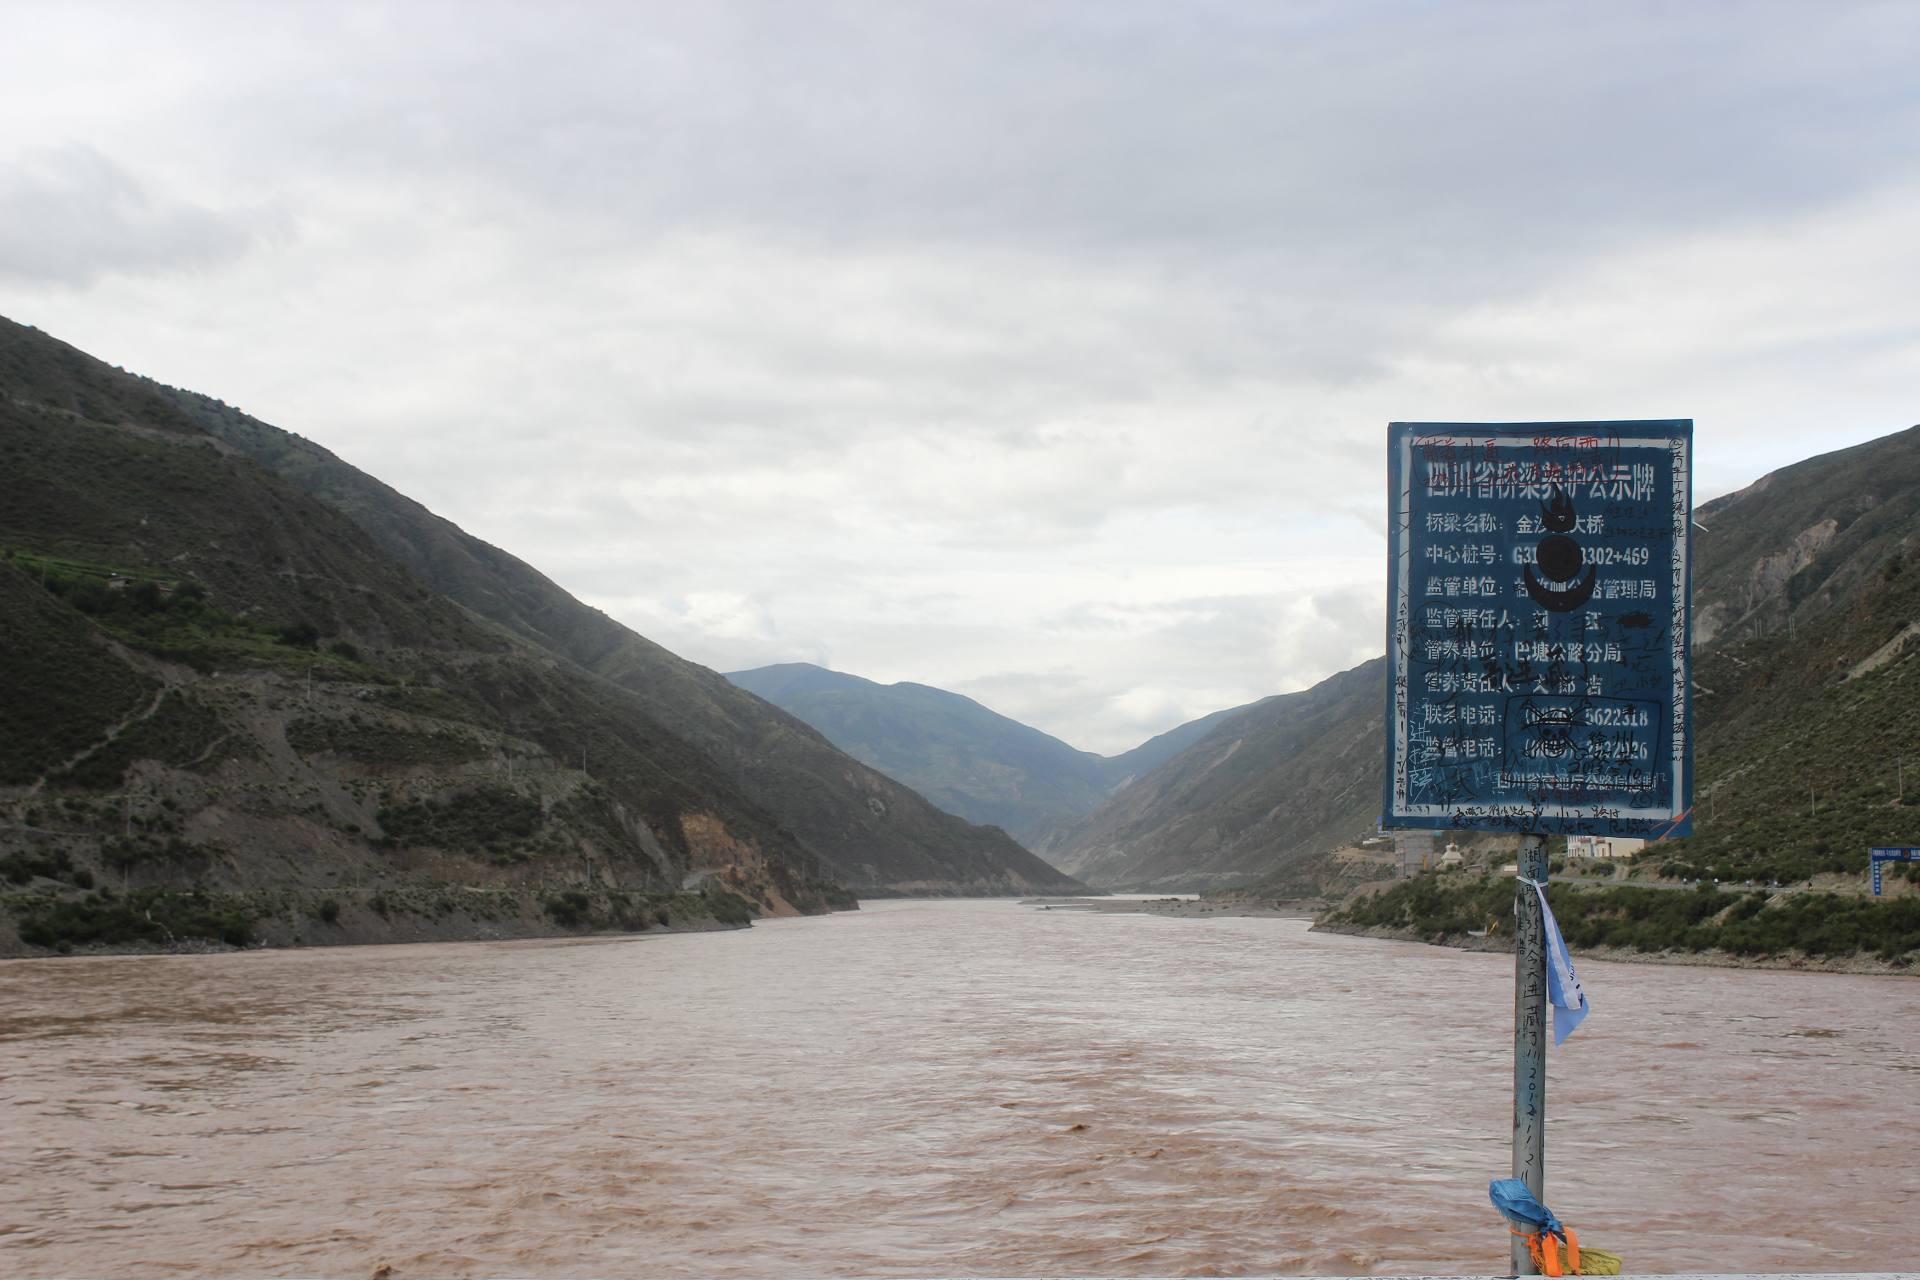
{"x":1449,"y":139}
{"x":71,"y":214}
{"x":941,"y":339}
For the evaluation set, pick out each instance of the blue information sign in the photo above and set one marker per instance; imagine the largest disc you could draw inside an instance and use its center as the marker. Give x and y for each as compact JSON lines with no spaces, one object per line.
{"x":1878,"y":856}
{"x":1538,"y":633}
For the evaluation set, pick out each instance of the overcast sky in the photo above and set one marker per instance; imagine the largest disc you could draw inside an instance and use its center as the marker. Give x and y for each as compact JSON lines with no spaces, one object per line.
{"x":1039,"y":351}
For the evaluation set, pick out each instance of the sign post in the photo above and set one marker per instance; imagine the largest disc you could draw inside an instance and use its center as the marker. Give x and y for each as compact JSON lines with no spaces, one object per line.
{"x":1538,"y":650}
{"x":1529,"y":1035}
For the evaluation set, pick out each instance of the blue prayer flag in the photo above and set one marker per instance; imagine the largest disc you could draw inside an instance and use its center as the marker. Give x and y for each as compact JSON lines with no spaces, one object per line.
{"x":1564,"y":993}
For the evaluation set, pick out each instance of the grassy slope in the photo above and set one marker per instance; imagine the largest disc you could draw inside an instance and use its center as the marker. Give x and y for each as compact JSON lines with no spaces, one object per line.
{"x":1748,"y":923}
{"x":1796,"y":759}
{"x":61,"y":687}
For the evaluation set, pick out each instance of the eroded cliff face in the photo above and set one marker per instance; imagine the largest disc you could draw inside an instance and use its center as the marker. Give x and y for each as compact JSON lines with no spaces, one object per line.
{"x":1806,"y":541}
{"x":1764,"y":590}
{"x":715,"y":855}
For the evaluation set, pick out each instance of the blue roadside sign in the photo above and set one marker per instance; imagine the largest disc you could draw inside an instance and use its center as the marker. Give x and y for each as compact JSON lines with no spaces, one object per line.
{"x":1904,"y":853}
{"x":1538,"y":629}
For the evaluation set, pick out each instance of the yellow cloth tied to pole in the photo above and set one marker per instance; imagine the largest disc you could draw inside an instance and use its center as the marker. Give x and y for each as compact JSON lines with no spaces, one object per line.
{"x":1555,"y":1248}
{"x":1570,"y":1258}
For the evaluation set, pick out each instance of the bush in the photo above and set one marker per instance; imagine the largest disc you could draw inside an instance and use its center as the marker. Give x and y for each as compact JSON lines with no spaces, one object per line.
{"x":728,"y":908}
{"x":570,"y":909}
{"x":1707,"y":918}
{"x":151,"y":917}
{"x":468,"y":820}
{"x":299,"y":635}
{"x":22,"y":867}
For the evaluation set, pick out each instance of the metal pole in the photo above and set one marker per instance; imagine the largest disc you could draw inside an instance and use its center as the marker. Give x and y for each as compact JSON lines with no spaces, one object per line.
{"x":1529,"y":1035}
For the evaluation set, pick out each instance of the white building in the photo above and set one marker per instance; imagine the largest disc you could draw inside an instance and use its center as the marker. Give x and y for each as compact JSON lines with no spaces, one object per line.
{"x":1588,"y":848}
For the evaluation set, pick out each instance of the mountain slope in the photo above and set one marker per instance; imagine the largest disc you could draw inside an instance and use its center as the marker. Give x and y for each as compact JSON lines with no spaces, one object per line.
{"x":1288,"y":777}
{"x":955,"y":752}
{"x":964,"y":757}
{"x":1803,"y":541}
{"x":866,"y":830}
{"x":227,"y":715}
{"x":1806,"y":752}
{"x":1800,"y":761}
{"x":1160,"y":748}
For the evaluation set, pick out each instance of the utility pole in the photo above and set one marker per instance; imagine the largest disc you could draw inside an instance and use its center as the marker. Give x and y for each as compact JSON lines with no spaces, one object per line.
{"x":1529,"y":1034}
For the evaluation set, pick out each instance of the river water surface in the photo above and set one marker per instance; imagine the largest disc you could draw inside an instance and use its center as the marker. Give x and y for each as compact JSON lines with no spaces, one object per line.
{"x":927,"y":1088}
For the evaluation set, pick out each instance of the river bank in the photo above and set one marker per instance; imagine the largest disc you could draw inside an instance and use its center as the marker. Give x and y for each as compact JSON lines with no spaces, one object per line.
{"x":1710,"y":959}
{"x":1318,"y":911}
{"x":1183,"y":908}
{"x":207,"y":922}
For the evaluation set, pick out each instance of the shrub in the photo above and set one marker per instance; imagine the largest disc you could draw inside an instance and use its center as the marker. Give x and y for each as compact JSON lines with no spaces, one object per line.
{"x":299,"y":635}
{"x":152,"y":917}
{"x":22,"y":867}
{"x":570,"y":909}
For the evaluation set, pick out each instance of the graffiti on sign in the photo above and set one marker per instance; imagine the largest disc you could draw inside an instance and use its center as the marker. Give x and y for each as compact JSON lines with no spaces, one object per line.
{"x":1538,"y":629}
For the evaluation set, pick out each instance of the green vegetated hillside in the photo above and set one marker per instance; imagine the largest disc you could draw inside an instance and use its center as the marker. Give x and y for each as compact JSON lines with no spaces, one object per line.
{"x":228,"y":712}
{"x":967,"y":759}
{"x":1802,"y":736}
{"x":1739,"y":921}
{"x":868,"y":831}
{"x":1801,"y":741}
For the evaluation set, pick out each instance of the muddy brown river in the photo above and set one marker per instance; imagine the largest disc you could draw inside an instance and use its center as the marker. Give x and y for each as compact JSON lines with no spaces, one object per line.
{"x":931,"y":1088}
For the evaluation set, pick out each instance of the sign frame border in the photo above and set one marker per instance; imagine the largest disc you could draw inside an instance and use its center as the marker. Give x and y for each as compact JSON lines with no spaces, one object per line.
{"x":1400,"y":437}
